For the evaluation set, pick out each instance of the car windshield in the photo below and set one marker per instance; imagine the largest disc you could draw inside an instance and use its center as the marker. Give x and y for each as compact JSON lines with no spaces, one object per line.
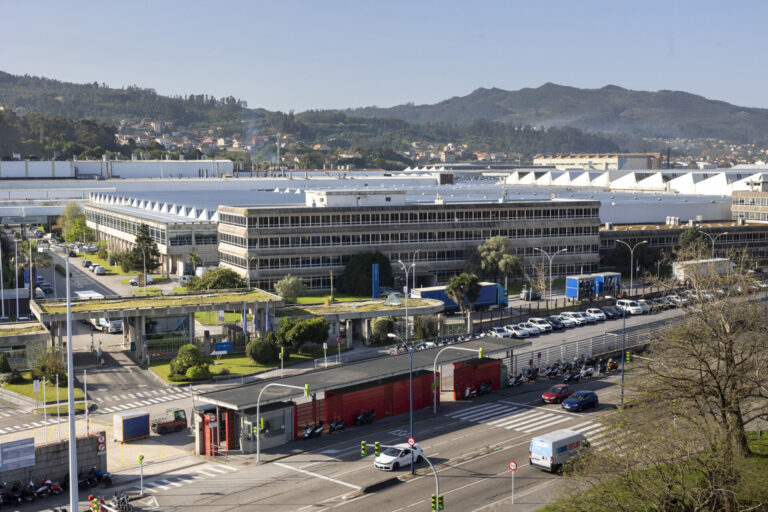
{"x":556,"y":389}
{"x":579,"y":398}
{"x":392,"y":452}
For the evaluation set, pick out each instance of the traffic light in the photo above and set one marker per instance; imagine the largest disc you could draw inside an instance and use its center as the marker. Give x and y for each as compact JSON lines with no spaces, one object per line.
{"x":629,"y":356}
{"x":377,"y":448}
{"x":440,"y":505}
{"x":261,"y":422}
{"x":480,"y":353}
{"x":306,"y":389}
{"x":434,"y":502}
{"x":363,"y":450}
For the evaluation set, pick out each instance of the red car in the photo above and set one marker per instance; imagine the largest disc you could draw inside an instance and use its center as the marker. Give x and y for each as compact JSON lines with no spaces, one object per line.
{"x":556,"y":394}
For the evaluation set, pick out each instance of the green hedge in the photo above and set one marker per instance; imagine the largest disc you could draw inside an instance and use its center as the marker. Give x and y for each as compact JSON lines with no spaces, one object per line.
{"x":60,"y":269}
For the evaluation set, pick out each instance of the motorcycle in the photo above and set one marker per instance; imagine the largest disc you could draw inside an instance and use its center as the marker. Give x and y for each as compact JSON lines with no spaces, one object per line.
{"x":120,"y":503}
{"x":586,"y":372}
{"x":43,"y":490}
{"x":533,"y":374}
{"x":337,"y":425}
{"x":84,"y":482}
{"x":603,"y":367}
{"x":365,"y":417}
{"x":314,"y":430}
{"x":29,"y":493}
{"x":470,"y":392}
{"x":515,"y":381}
{"x":612,"y":365}
{"x":14,"y":495}
{"x":56,"y":488}
{"x":485,"y":388}
{"x":98,"y":477}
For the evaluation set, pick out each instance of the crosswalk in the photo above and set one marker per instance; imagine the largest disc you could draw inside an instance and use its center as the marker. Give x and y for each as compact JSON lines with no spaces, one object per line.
{"x":519,"y":418}
{"x":140,"y":399}
{"x":27,"y":426}
{"x":153,"y":485}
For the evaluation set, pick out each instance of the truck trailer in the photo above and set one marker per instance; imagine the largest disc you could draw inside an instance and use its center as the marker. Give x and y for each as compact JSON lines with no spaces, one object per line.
{"x":686,"y":271}
{"x":130,"y":425}
{"x":580,"y":287}
{"x":491,"y":294}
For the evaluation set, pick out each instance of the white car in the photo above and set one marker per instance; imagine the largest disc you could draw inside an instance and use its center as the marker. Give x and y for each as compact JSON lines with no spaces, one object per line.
{"x":394,"y":457}
{"x":567,"y":321}
{"x":597,"y":313}
{"x":528,"y":326}
{"x":591,"y":319}
{"x":575,"y":317}
{"x":516,"y":331}
{"x":500,"y":332}
{"x":629,"y":306}
{"x":542,"y":324}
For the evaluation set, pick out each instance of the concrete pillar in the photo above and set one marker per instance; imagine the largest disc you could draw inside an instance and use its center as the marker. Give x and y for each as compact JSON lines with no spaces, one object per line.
{"x":126,"y":326}
{"x":206,"y":342}
{"x":366,"y":330}
{"x":350,"y":337}
{"x":440,"y":320}
{"x":59,"y":333}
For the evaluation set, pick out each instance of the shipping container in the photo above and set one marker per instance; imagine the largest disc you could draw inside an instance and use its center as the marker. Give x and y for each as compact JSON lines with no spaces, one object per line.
{"x":580,"y":287}
{"x":607,"y":283}
{"x":491,"y":294}
{"x":130,"y":425}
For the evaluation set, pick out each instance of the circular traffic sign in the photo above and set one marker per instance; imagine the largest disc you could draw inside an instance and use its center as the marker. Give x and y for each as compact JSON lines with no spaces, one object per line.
{"x":513,"y":465}
{"x":102,"y":448}
{"x":101,"y":439}
{"x":411,"y":441}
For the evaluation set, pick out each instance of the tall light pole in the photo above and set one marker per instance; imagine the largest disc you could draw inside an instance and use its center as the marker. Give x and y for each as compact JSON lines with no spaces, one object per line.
{"x":73,"y":494}
{"x":713,"y":238}
{"x":550,"y":267}
{"x":434,"y":371}
{"x":2,"y":288}
{"x":631,"y":264}
{"x":410,"y":385}
{"x":16,"y":279}
{"x":413,"y":265}
{"x":623,"y":349}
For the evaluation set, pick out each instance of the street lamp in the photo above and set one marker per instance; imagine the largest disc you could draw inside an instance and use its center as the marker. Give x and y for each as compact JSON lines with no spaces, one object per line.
{"x":550,"y":267}
{"x":631,"y":259}
{"x":713,"y":238}
{"x":258,"y":415}
{"x":16,"y":279}
{"x":413,"y":265}
{"x":144,"y":261}
{"x":2,"y":288}
{"x":406,"y":269}
{"x":410,"y":384}
{"x":73,"y":494}
{"x":434,"y":371}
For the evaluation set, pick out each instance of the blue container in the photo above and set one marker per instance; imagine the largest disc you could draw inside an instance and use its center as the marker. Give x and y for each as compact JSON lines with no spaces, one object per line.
{"x":580,"y":287}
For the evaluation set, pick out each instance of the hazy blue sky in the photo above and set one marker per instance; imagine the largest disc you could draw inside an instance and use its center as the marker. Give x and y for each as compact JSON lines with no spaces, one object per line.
{"x":331,"y":54}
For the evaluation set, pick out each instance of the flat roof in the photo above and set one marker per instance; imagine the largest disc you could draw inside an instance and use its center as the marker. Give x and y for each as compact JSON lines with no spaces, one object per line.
{"x":371,"y":370}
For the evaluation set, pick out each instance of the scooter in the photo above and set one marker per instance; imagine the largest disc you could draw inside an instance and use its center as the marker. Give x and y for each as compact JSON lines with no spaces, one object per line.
{"x":337,"y":424}
{"x":29,"y":492}
{"x":55,"y":487}
{"x":313,"y":430}
{"x":586,"y":372}
{"x":365,"y":417}
{"x":515,"y":381}
{"x":533,"y":373}
{"x":14,"y":495}
{"x":612,"y":365}
{"x":485,"y":388}
{"x":100,"y":478}
{"x":470,"y":392}
{"x":43,"y":490}
{"x":572,"y":376}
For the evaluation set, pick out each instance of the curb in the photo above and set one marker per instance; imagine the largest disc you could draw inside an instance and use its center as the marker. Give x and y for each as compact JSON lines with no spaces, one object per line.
{"x":384,"y":484}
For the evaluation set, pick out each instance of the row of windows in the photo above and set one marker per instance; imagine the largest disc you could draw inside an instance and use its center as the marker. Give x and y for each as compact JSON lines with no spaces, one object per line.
{"x":123,"y":225}
{"x":761,"y":216}
{"x":404,"y":238}
{"x":442,"y":216}
{"x":674,"y":240}
{"x":750,"y":201}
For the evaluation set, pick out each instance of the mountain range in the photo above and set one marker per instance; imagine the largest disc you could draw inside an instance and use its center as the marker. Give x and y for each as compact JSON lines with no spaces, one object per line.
{"x":609,"y":110}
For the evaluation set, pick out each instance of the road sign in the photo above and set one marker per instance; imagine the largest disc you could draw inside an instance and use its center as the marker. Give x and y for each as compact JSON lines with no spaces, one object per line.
{"x":223,"y":346}
{"x":513,"y":465}
{"x":325,"y":346}
{"x":36,"y":384}
{"x":102,"y":446}
{"x":411,"y":441}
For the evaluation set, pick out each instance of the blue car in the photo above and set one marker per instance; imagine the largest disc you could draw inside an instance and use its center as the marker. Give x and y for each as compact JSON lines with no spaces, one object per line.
{"x":580,"y":400}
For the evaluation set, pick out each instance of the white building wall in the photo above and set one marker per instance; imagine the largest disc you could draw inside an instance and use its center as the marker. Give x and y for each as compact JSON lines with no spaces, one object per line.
{"x":644,"y":212}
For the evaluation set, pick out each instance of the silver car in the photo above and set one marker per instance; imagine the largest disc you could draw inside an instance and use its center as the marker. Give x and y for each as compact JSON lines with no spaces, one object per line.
{"x":516,"y":331}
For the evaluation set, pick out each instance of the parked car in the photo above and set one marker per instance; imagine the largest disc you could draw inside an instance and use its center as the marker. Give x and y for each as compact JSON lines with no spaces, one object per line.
{"x":557,"y":393}
{"x":530,"y":295}
{"x":575,"y":317}
{"x":86,"y":263}
{"x":517,"y":332}
{"x":645,"y":306}
{"x":566,"y":320}
{"x":39,"y":293}
{"x":676,"y":300}
{"x":499,"y":331}
{"x":46,"y":287}
{"x":629,"y":306}
{"x":99,"y":270}
{"x":39,"y":280}
{"x":528,"y":326}
{"x":541,"y":323}
{"x":555,"y":322}
{"x":580,"y":400}
{"x":597,"y":313}
{"x":661,"y":303}
{"x":394,"y":457}
{"x":591,"y":319}
{"x":611,"y":312}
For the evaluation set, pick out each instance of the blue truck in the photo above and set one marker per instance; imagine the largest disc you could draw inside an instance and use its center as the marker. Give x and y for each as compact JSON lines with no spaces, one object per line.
{"x":491,"y":295}
{"x":607,"y":283}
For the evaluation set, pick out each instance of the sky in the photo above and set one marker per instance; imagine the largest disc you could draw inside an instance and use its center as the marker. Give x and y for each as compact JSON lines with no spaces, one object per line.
{"x":300,"y":55}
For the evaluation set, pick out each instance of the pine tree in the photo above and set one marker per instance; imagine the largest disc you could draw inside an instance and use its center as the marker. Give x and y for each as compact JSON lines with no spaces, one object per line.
{"x":135,"y":258}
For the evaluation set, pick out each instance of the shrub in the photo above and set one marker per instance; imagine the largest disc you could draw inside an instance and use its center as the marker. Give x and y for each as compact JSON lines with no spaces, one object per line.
{"x":223,"y":371}
{"x":5,"y":366}
{"x":198,"y":373}
{"x":187,"y":357}
{"x":380,"y":327}
{"x":261,"y":352}
{"x":173,"y":377}
{"x":12,"y":377}
{"x":60,"y":269}
{"x":290,"y":287}
{"x":426,"y":326}
{"x":48,"y":366}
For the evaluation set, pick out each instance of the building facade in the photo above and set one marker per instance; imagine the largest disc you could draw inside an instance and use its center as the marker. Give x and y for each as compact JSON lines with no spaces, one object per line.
{"x":319,"y":237}
{"x":750,"y":205}
{"x":601,"y":161}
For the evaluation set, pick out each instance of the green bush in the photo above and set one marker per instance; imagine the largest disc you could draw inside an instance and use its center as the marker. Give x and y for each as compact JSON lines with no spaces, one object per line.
{"x":49,"y":366}
{"x":5,"y":366}
{"x":12,"y":377}
{"x":187,"y":357}
{"x":198,"y":373}
{"x":174,"y":377}
{"x":261,"y":352}
{"x":223,"y":371}
{"x":380,"y":327}
{"x":60,"y":269}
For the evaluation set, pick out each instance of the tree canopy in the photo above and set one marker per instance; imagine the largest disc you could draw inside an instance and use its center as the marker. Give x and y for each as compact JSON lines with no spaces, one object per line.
{"x":357,"y":276}
{"x":220,"y":279}
{"x":144,"y":253}
{"x":290,"y":287}
{"x":464,"y":289}
{"x":494,"y":259}
{"x":295,"y":332}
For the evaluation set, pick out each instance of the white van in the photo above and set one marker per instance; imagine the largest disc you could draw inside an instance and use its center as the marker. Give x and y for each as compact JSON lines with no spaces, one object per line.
{"x":630,"y":306}
{"x":552,"y":450}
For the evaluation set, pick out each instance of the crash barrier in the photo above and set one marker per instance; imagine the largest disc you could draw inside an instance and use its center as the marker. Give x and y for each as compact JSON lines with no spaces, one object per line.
{"x":601,"y":345}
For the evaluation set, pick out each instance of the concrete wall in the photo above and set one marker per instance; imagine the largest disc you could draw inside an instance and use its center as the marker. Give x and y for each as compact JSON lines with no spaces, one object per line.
{"x":52,"y":460}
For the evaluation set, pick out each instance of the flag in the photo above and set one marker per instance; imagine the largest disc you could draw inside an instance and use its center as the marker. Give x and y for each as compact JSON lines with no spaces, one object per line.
{"x":266,"y":317}
{"x":245,"y":320}
{"x":255,"y":317}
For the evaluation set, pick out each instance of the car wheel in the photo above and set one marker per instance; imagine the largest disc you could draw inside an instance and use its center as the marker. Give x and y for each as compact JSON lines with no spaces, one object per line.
{"x":418,"y":459}
{"x":579,"y":409}
{"x":395,"y":466}
{"x":596,"y":404}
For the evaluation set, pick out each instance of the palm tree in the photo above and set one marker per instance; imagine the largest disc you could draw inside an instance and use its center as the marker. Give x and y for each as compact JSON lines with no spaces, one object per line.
{"x":464,"y":289}
{"x":194,"y":259}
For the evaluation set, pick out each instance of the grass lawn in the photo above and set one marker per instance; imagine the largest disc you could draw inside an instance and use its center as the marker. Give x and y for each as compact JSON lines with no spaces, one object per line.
{"x":112,"y":270}
{"x":149,"y":291}
{"x":212,"y":317}
{"x":320,"y":299}
{"x":237,"y":364}
{"x":27,"y":389}
{"x":63,"y":408}
{"x":155,"y":279}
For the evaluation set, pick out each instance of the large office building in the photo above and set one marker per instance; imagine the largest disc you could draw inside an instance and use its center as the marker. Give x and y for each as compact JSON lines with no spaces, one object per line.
{"x":313,"y":239}
{"x":601,"y":161}
{"x":752,"y":205}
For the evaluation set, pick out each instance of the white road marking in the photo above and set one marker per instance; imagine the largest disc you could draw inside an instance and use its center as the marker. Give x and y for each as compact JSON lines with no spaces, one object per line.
{"x":317,"y":475}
